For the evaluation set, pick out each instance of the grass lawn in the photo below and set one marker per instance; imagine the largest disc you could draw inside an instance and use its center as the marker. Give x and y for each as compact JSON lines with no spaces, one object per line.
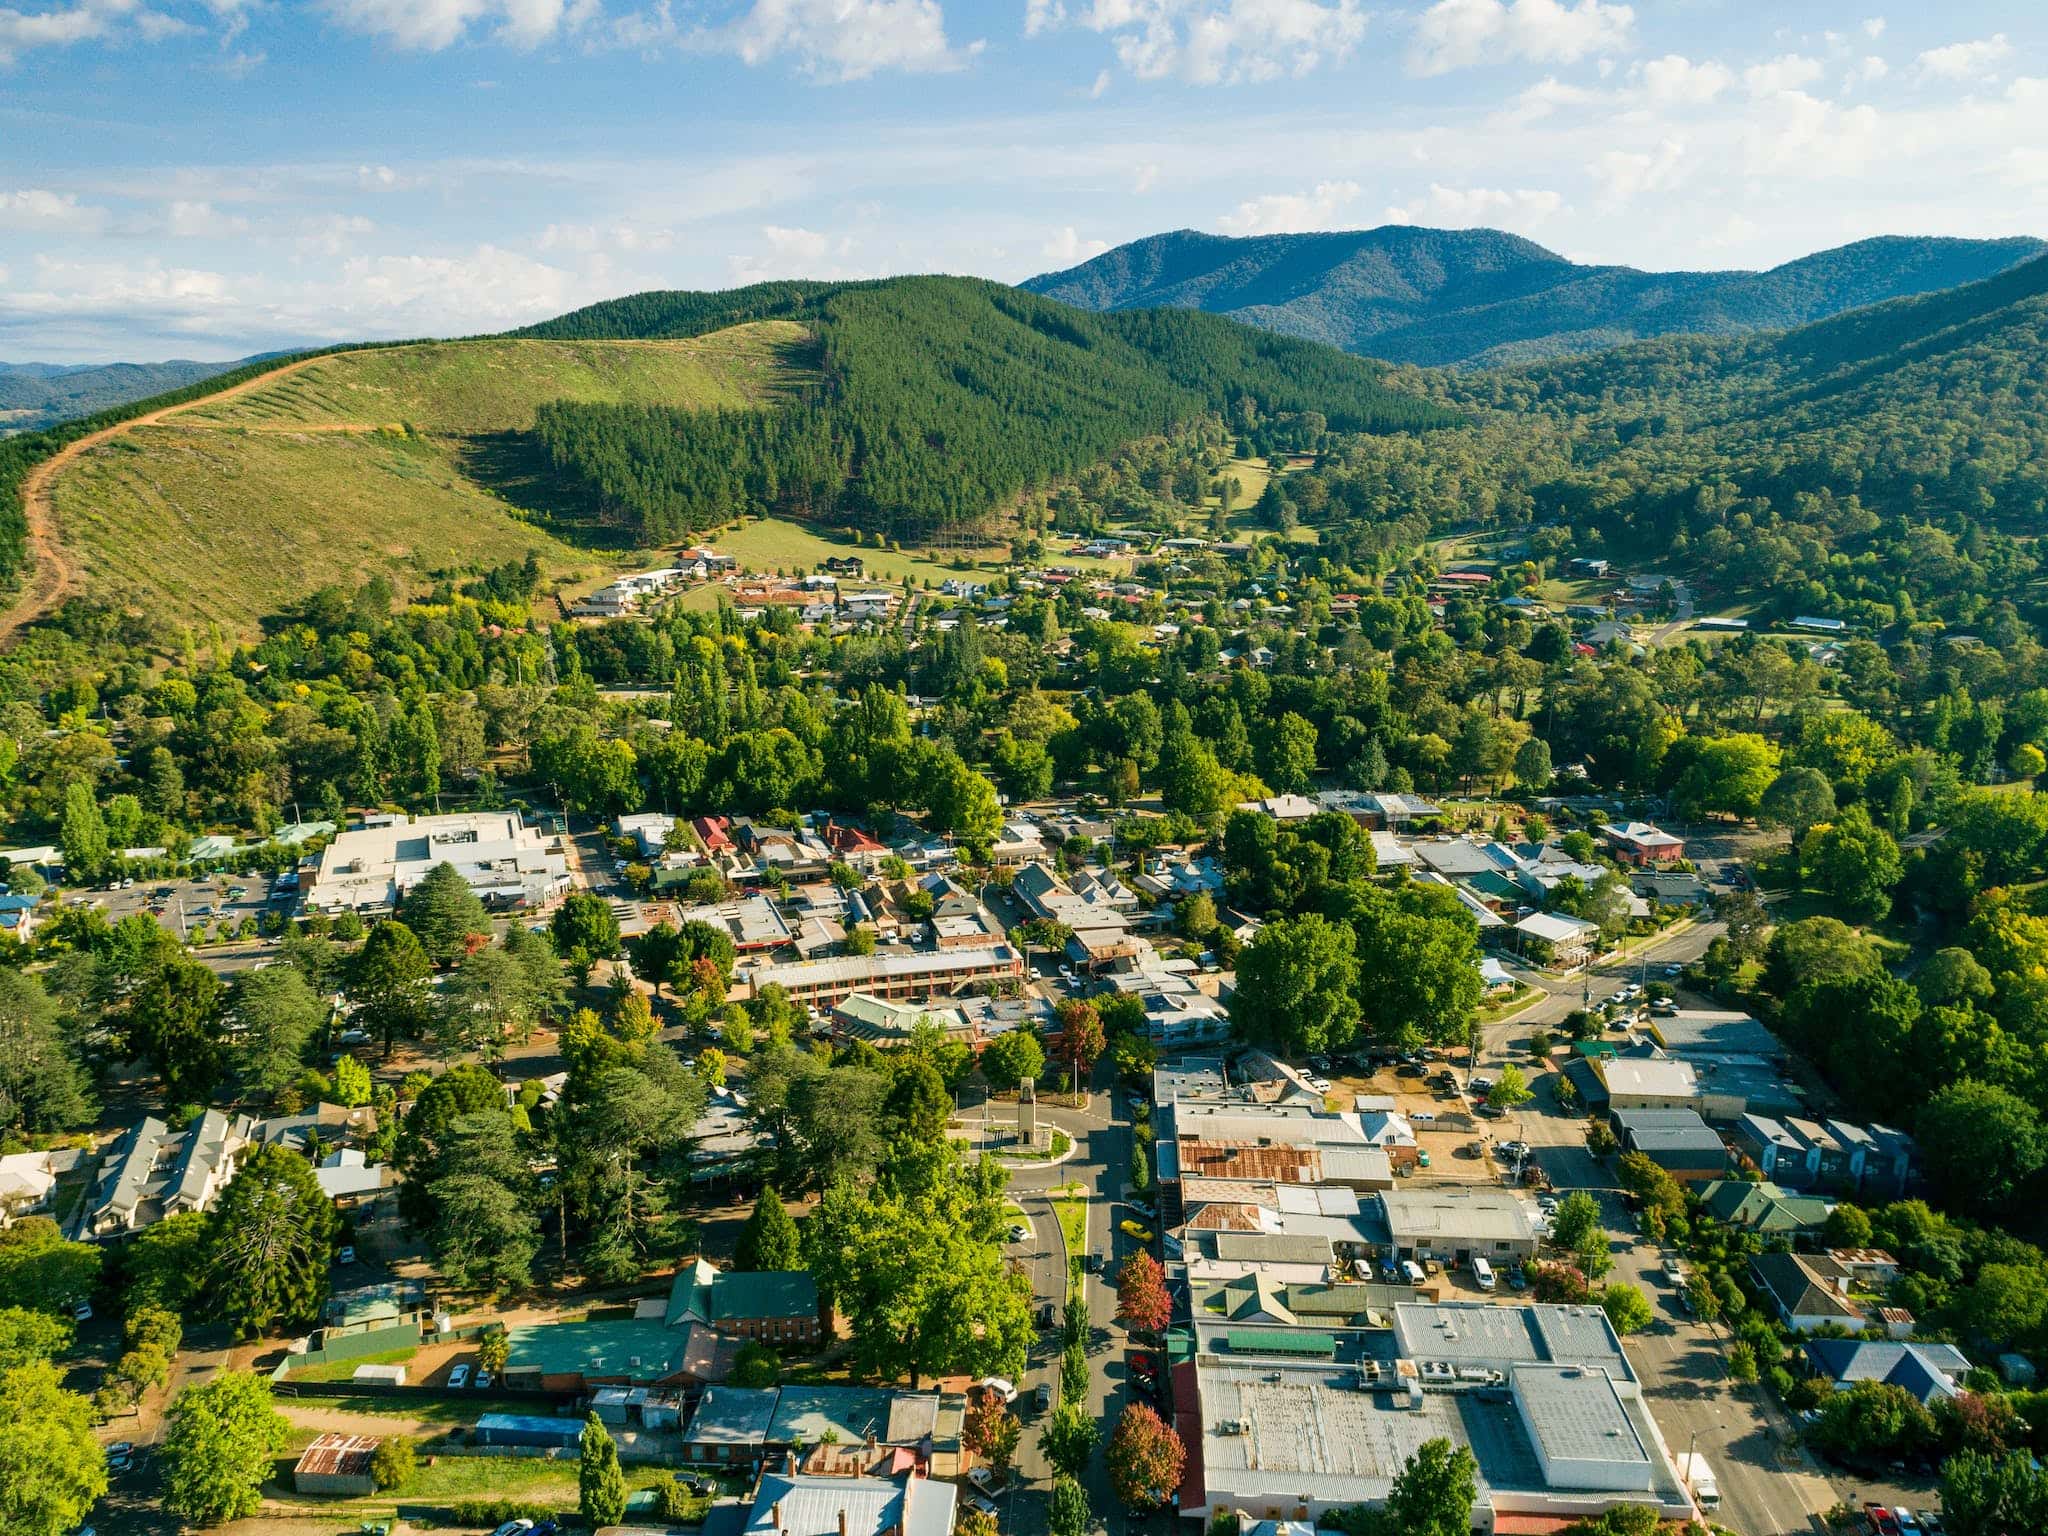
{"x":1070,"y":1204}
{"x":768,"y":544}
{"x":457,"y":1409}
{"x":345,"y":1370}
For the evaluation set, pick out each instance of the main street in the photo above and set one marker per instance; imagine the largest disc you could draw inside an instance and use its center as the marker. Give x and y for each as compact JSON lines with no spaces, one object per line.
{"x":1099,"y":1163}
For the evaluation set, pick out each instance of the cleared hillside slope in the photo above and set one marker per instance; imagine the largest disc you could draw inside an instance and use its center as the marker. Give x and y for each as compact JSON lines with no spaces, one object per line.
{"x":404,"y":460}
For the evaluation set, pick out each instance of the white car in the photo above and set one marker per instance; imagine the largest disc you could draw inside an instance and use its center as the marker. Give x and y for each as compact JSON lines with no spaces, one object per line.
{"x":483,"y":1381}
{"x":1003,"y":1389}
{"x":459,"y":1377}
{"x":984,"y":1503}
{"x":982,"y":1478}
{"x":513,"y":1528}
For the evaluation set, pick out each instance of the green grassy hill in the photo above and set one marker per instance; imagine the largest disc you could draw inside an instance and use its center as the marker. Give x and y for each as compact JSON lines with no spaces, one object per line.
{"x":404,"y":460}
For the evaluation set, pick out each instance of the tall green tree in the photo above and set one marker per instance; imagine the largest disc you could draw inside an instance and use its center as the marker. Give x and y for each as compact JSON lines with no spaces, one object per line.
{"x":275,"y":1016}
{"x":768,"y":1241}
{"x":443,"y":912}
{"x":1069,"y":1439}
{"x":43,"y":1086}
{"x":82,"y":834}
{"x":600,"y":1480}
{"x":1067,"y":1509}
{"x":585,"y":921}
{"x":52,"y":1469}
{"x":1432,"y":1494}
{"x":1296,"y":984}
{"x":390,"y":983}
{"x":172,"y":1020}
{"x":218,"y":1449}
{"x":271,"y":1243}
{"x":41,"y":1271}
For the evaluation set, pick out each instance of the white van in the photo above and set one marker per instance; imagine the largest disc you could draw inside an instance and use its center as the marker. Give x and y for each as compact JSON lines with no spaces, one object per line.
{"x":1482,"y":1273}
{"x":1413,"y":1271}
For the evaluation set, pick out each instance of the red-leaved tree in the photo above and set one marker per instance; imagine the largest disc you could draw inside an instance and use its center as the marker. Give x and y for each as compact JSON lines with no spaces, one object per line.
{"x":1141,"y":1300}
{"x":1145,"y":1458}
{"x":1081,"y":1039}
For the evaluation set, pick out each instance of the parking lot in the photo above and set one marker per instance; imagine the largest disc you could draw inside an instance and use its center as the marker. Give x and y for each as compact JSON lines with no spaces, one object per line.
{"x":185,"y":906}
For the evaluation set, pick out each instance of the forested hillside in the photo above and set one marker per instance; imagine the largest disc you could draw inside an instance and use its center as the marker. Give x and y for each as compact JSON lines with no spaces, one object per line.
{"x":1434,"y":296}
{"x":1856,"y":467}
{"x":939,"y":400}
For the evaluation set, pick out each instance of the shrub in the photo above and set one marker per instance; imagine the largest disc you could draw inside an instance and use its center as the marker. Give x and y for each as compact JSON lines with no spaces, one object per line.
{"x":392,"y":1465}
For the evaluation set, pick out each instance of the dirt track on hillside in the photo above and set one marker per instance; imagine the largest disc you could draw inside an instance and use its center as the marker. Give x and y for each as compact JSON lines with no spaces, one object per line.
{"x":52,"y":575}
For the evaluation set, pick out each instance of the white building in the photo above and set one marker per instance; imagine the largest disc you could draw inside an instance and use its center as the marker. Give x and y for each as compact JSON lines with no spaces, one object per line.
{"x":372,"y":867}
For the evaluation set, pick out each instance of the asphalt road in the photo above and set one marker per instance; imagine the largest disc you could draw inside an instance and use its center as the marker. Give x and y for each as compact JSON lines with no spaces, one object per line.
{"x":1100,"y":1163}
{"x":1766,"y":1489}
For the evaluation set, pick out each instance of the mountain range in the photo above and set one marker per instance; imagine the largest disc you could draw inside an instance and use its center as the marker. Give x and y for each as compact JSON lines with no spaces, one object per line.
{"x":1482,"y":296}
{"x":34,"y":395}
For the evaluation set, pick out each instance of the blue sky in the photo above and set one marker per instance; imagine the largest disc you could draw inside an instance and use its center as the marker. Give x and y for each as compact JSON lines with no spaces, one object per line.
{"x":206,"y":178}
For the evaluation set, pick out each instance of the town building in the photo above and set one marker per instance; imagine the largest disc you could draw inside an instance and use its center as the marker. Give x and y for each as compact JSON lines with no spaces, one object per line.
{"x":371,"y":868}
{"x":1542,"y":1396}
{"x":1640,"y":844}
{"x":825,"y":982}
{"x":1455,"y":1223}
{"x":152,"y":1171}
{"x":1676,"y":1140}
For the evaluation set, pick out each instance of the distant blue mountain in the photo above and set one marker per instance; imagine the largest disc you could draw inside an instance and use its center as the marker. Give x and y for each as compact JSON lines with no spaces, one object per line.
{"x":1439,"y":296}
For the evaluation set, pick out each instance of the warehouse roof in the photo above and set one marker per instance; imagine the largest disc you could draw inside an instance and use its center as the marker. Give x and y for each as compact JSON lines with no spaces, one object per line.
{"x":1575,"y":1414}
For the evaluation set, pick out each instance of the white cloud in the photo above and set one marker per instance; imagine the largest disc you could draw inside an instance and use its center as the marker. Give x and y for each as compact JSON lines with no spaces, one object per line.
{"x":1874,"y":27}
{"x":621,"y":238}
{"x":1146,"y":179}
{"x":1065,"y":248}
{"x":87,"y":21}
{"x":1545,"y":97}
{"x":1225,"y":42}
{"x":797,"y":252}
{"x":1801,"y":137}
{"x":1787,"y":72}
{"x":845,"y":39}
{"x":1462,"y":207}
{"x":331,"y":234}
{"x":1675,"y":80}
{"x":1453,"y":34}
{"x":46,"y":212}
{"x":1962,"y":62}
{"x":1279,"y":213}
{"x":1625,"y":174}
{"x":184,"y":219}
{"x":1043,"y":16}
{"x":431,"y":25}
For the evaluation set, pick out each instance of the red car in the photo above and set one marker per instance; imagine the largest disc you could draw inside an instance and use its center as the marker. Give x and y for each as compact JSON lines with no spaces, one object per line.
{"x":1141,"y":1363}
{"x":1880,"y":1520}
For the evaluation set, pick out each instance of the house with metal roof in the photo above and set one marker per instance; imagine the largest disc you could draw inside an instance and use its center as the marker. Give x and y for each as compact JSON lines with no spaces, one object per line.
{"x":1676,"y":1140}
{"x":1763,"y":1208}
{"x":791,"y":1503}
{"x":152,"y":1171}
{"x":1928,"y":1371}
{"x":772,"y":1306}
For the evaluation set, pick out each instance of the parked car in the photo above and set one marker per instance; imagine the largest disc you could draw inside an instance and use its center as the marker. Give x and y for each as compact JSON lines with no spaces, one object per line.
{"x":1043,"y":1397}
{"x":483,"y":1381}
{"x":1880,"y":1520}
{"x":82,"y":1312}
{"x":984,"y":1503}
{"x":345,"y":1254}
{"x":1131,"y":1229}
{"x":1045,"y":1317}
{"x":513,"y":1528}
{"x":1480,"y":1087}
{"x":1000,"y":1387}
{"x":459,"y":1377}
{"x":1093,"y":1263}
{"x":982,"y":1478}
